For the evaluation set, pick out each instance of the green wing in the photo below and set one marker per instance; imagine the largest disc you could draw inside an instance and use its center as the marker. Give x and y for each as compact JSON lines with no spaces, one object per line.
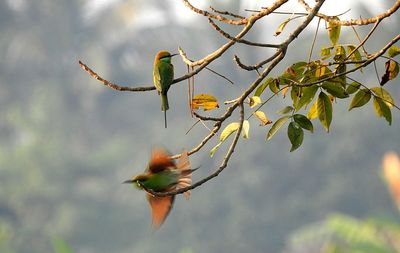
{"x":163,"y":75}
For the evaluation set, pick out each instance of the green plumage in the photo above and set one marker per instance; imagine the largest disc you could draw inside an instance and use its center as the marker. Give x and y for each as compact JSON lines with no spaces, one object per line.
{"x":163,"y":75}
{"x":161,"y":181}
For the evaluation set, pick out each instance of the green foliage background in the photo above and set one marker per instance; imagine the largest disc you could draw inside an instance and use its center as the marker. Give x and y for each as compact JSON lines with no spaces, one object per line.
{"x":67,"y":143}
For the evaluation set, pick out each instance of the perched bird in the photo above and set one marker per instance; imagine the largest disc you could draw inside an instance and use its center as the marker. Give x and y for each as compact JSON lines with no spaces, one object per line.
{"x":163,"y":75}
{"x":163,"y":175}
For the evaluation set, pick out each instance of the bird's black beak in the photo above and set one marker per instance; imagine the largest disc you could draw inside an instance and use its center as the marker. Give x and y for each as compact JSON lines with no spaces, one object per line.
{"x":130,"y":181}
{"x":172,"y":55}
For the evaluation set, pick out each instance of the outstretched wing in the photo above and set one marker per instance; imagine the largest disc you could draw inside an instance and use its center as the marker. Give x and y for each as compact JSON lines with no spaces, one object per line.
{"x":185,"y":179}
{"x":160,"y":160}
{"x":160,"y":208}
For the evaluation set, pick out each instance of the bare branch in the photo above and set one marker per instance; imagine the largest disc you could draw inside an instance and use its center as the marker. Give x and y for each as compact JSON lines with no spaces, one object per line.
{"x":226,"y":35}
{"x":226,"y":13}
{"x":113,"y":85}
{"x":360,"y":21}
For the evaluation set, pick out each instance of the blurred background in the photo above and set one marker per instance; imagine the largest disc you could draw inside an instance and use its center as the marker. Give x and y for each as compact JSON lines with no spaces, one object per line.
{"x":67,"y":142}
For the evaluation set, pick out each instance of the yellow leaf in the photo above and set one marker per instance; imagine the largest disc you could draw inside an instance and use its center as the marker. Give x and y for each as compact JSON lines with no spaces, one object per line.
{"x":254,"y":101}
{"x":285,"y":90}
{"x":207,"y":101}
{"x":246,"y":128}
{"x":263,"y":118}
{"x":313,"y":113}
{"x":228,"y":130}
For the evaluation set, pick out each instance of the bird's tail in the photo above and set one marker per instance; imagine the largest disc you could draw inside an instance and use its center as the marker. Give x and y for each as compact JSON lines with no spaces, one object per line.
{"x":185,"y":179}
{"x":164,"y":102}
{"x":164,"y":107}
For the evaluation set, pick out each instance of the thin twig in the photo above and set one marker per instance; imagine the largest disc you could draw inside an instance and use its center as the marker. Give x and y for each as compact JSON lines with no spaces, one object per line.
{"x":314,"y":39}
{"x":226,"y":13}
{"x":228,"y":36}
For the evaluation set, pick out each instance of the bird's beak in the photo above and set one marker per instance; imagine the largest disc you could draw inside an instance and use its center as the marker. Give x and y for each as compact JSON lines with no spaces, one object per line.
{"x":172,"y":55}
{"x":130,"y":181}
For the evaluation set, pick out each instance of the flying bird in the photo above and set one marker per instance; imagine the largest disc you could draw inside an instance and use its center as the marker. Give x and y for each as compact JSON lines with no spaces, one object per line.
{"x":163,"y":175}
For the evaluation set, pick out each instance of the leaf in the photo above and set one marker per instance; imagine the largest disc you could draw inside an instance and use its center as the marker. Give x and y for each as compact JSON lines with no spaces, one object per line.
{"x":262,"y":87}
{"x":228,"y":130}
{"x":245,"y":129}
{"x":353,"y":87}
{"x":326,"y":52}
{"x":356,"y":56}
{"x":207,"y":101}
{"x":384,"y":95}
{"x":295,"y":134}
{"x":313,"y":112}
{"x":307,"y":97}
{"x":335,"y":89}
{"x":361,"y":98}
{"x":382,"y":110}
{"x":285,"y":110}
{"x":275,"y":127}
{"x":391,"y":71}
{"x":303,"y":122}
{"x":274,"y":86}
{"x":263,"y":118}
{"x":284,"y":91}
{"x":282,"y":26}
{"x":324,"y":109}
{"x":214,"y":149}
{"x":340,"y":53}
{"x":254,"y":101}
{"x":393,"y":51}
{"x":334,"y":30}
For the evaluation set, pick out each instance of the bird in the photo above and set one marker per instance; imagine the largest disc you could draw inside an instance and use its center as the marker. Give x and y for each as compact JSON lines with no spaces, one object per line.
{"x":163,"y":75}
{"x":163,"y":175}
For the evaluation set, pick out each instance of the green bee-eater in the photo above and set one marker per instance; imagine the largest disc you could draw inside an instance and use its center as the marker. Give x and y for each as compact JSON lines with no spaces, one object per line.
{"x":163,"y":175}
{"x":163,"y":75}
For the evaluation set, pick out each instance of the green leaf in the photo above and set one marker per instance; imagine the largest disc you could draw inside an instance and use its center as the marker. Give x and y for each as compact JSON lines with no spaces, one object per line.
{"x":303,"y":122}
{"x":384,"y":95}
{"x":282,"y":26}
{"x":324,"y":109}
{"x":326,"y":52}
{"x":356,"y":56}
{"x":307,"y":96}
{"x":334,"y":30}
{"x":393,"y":51}
{"x":214,"y":149}
{"x":313,"y":112}
{"x":340,"y":53}
{"x":335,"y":89}
{"x":262,"y":87}
{"x":275,"y":127}
{"x":353,"y":87}
{"x":228,"y":130}
{"x":274,"y":86}
{"x":361,"y":98}
{"x":382,"y":110}
{"x":295,"y":134}
{"x":299,"y":67}
{"x":285,"y":110}
{"x":245,"y":129}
